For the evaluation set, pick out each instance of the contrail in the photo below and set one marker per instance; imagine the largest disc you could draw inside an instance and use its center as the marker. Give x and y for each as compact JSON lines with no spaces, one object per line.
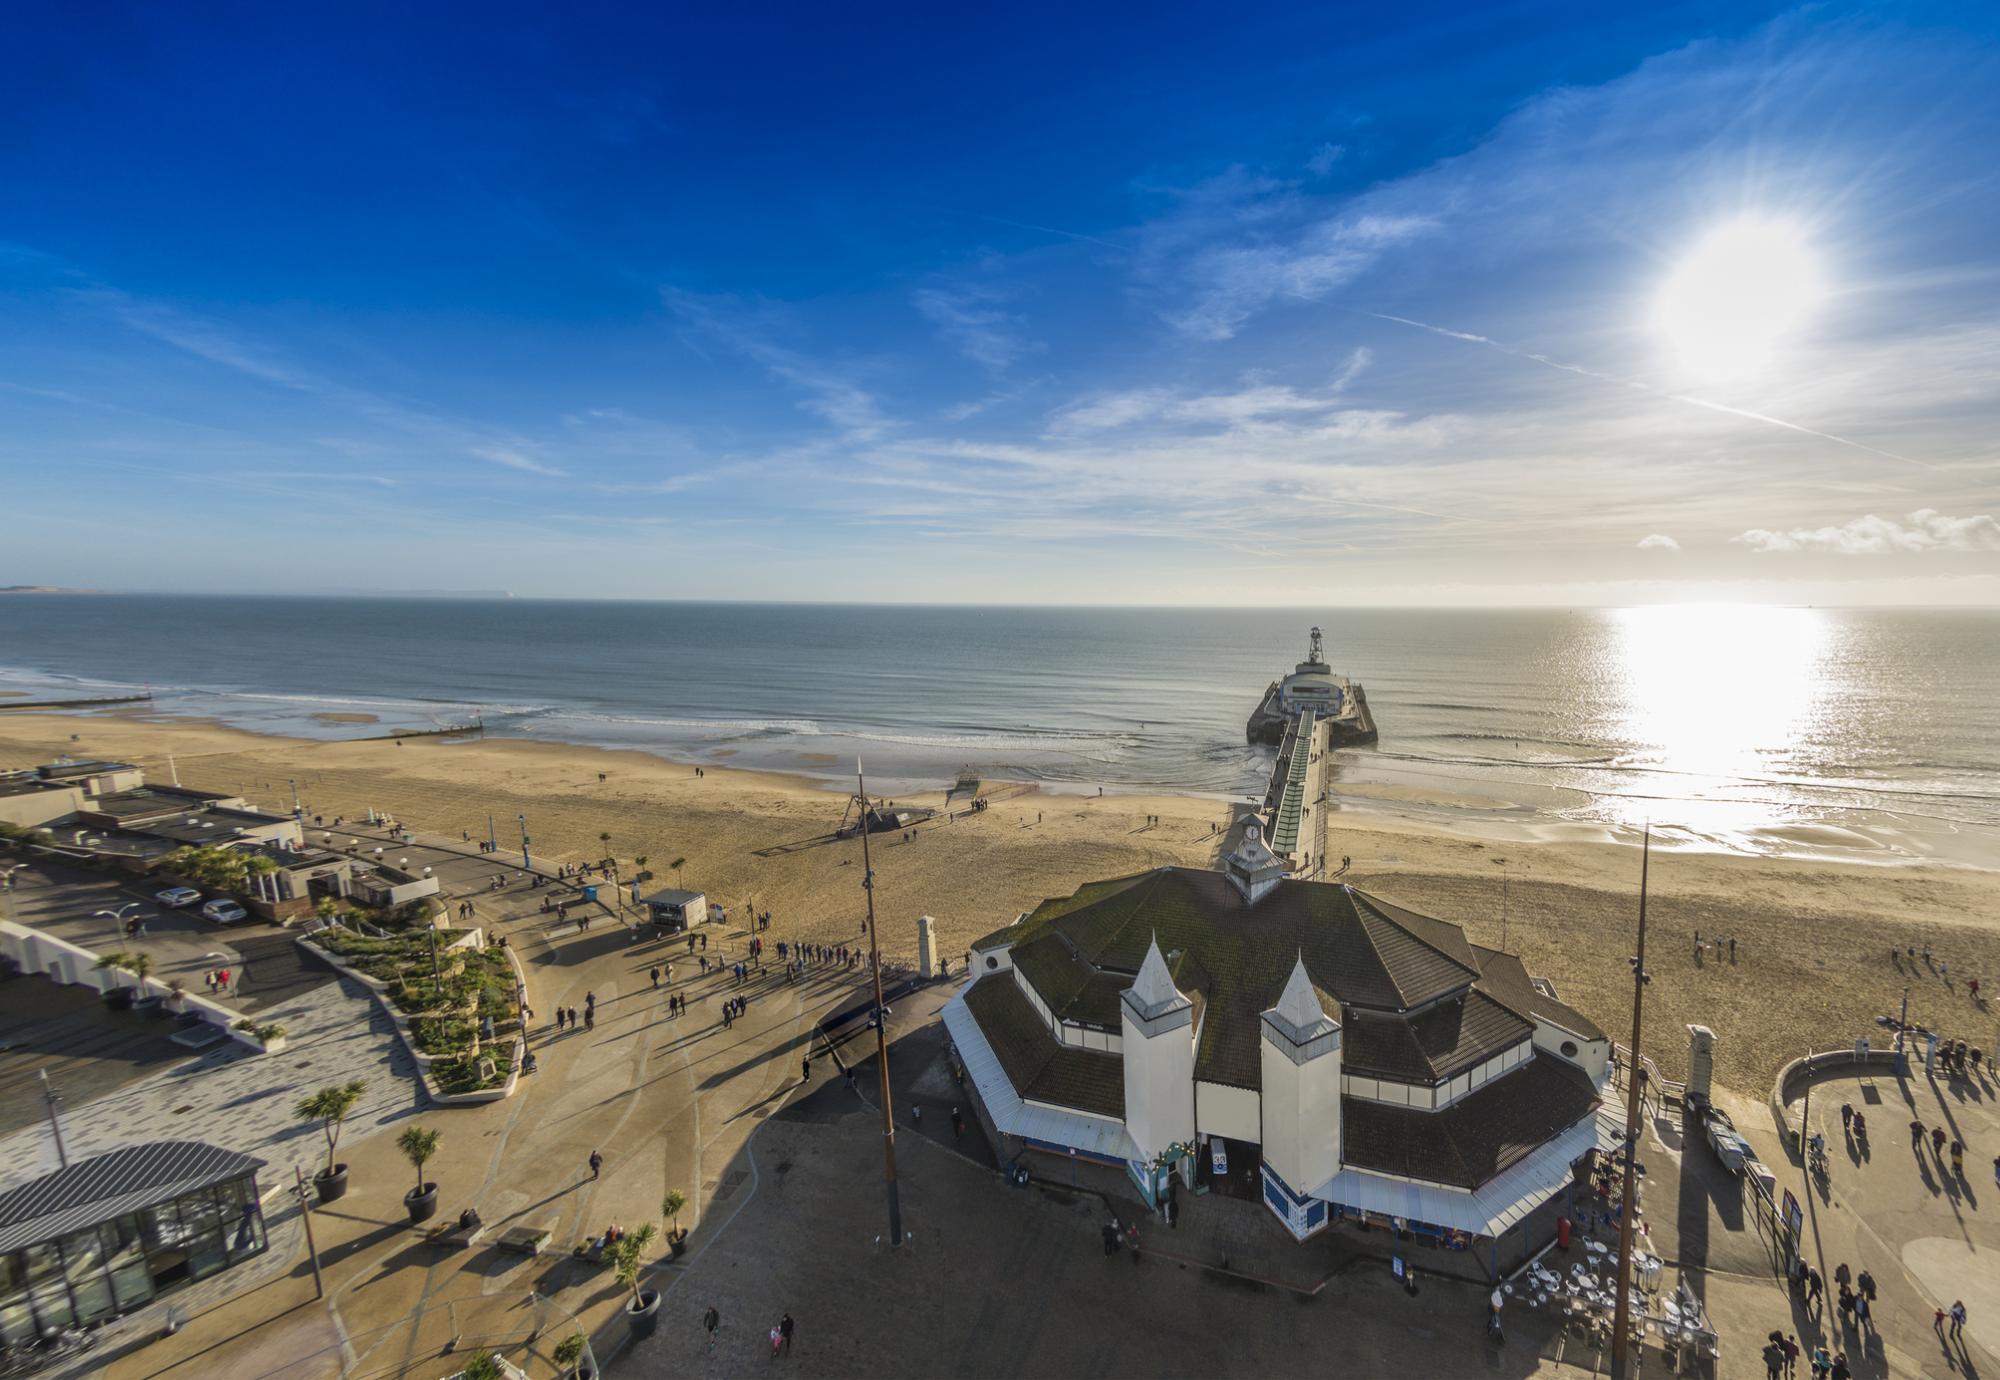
{"x":1038,"y":229}
{"x":1636,"y":386}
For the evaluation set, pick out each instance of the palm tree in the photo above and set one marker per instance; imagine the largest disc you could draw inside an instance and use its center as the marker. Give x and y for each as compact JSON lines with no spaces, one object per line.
{"x":418,"y":1144}
{"x":677,"y":864}
{"x":670,"y":1208}
{"x":482,"y":1368}
{"x":628,"y":1256}
{"x":140,"y":966}
{"x":329,"y":1107}
{"x":569,"y":1351}
{"x":120,"y":962}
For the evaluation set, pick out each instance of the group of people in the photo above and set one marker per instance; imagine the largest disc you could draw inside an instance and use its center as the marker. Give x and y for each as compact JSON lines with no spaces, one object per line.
{"x":566,"y":1015}
{"x":1781,"y":1359}
{"x":1938,"y":1137}
{"x":1703,"y":946}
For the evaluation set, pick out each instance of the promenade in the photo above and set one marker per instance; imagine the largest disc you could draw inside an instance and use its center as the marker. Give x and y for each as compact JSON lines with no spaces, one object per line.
{"x":668,"y":1101}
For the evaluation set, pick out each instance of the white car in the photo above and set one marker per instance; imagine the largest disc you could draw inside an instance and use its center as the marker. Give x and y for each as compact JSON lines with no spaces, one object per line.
{"x":224,"y":912}
{"x":175,"y":897}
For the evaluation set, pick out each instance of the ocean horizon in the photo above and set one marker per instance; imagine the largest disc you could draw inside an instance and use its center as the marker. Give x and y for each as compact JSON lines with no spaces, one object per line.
{"x":1767,"y":728}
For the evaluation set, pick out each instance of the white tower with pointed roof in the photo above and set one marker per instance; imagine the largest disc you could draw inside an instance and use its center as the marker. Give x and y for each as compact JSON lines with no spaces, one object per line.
{"x":1301,"y":1094}
{"x":1157,"y":1021}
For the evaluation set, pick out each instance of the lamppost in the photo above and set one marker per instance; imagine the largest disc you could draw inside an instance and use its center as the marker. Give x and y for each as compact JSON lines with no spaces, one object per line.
{"x":526,"y":866}
{"x":119,"y":916}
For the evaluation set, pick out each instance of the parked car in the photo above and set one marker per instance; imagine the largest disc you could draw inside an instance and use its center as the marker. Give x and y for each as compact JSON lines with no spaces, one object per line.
{"x":224,"y":912}
{"x":177,"y":896}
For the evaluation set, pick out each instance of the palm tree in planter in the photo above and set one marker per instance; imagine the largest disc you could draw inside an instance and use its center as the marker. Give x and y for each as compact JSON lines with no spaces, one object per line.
{"x":670,"y":1208}
{"x":569,"y":1354}
{"x":628,"y":1258}
{"x":418,"y":1144}
{"x":639,"y":866}
{"x":329,"y":1107}
{"x":117,"y":998}
{"x":482,"y":1368}
{"x":140,"y":966}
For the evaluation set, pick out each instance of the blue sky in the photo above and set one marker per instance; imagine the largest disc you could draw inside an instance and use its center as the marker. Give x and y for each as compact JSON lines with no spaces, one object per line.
{"x":1141,"y":305}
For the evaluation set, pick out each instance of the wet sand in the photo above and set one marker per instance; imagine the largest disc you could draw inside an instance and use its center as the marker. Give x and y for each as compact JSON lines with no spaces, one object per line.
{"x":1813,"y":936}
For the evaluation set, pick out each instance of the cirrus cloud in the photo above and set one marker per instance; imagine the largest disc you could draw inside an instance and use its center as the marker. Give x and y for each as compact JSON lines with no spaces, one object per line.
{"x":1658,"y":541}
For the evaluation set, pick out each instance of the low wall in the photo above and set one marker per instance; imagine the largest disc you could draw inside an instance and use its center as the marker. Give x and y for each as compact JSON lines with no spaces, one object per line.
{"x":62,"y":961}
{"x":1793,"y":1077}
{"x":422,"y":1060}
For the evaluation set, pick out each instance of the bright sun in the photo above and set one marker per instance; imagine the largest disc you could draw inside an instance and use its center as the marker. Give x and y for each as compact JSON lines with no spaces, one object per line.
{"x":1735,"y":296}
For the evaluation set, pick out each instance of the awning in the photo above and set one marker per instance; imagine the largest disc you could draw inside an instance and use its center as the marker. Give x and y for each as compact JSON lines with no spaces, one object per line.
{"x":1089,"y":1135}
{"x":1496,"y":1205}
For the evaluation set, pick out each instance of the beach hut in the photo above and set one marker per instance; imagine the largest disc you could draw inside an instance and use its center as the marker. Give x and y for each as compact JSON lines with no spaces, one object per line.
{"x":677,"y":910}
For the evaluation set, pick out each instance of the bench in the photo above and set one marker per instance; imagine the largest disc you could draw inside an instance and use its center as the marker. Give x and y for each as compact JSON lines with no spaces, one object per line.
{"x":525,"y":1240}
{"x":453,"y":1237}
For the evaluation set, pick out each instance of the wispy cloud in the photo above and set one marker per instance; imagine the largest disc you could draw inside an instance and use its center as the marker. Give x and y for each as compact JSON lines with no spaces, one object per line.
{"x":976,"y":322}
{"x":514,"y":460}
{"x":1658,"y":541}
{"x":1923,"y":531}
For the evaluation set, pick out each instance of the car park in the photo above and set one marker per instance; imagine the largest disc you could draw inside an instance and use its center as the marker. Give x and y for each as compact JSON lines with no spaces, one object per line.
{"x":225,"y":912}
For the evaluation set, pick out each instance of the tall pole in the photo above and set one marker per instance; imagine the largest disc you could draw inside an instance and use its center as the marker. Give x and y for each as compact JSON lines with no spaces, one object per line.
{"x":1629,"y":1218}
{"x":881,"y":1023}
{"x":55,"y":1121}
{"x":492,"y":839}
{"x":312,"y":1248}
{"x":297,"y":809}
{"x":525,"y":864}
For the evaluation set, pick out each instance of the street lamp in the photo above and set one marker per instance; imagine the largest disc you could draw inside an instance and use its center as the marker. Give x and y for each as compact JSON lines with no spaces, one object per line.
{"x":119,"y":916}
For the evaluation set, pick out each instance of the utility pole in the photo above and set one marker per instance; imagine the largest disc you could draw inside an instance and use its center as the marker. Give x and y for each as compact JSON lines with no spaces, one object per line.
{"x":1628,"y":1220}
{"x":298,"y":810}
{"x":312,"y":1248}
{"x":526,"y":866}
{"x":55,"y":1121}
{"x":881,"y":1022}
{"x":492,"y":839}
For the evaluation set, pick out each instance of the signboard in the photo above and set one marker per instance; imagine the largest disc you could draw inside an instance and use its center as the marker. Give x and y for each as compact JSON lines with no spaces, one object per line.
{"x":1396,"y":1264}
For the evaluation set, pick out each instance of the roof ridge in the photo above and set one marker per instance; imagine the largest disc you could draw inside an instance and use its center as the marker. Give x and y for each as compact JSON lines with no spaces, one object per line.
{"x":1375,"y":909}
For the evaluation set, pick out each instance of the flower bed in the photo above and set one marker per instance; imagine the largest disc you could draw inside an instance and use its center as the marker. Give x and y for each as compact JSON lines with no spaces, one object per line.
{"x":440,"y":1008}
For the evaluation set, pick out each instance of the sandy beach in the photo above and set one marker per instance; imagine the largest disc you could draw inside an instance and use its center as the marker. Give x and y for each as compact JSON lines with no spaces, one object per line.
{"x":1813,"y":937}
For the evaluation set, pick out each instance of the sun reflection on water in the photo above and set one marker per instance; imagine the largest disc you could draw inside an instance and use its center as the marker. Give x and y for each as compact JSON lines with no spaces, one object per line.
{"x":1718,"y":691}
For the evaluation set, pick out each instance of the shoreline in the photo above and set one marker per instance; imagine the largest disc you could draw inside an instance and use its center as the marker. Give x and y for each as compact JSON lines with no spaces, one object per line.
{"x":1490,"y":819}
{"x":1815,"y":934}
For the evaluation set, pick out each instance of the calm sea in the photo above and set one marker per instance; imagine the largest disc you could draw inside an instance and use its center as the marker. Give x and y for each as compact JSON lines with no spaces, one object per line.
{"x":1780,"y":729}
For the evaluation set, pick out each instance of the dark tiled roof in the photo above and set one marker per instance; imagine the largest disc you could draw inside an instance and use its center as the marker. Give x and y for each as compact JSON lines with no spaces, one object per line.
{"x":1475,"y":1138}
{"x":1435,"y":1044}
{"x":1238,"y":955}
{"x":105,"y":1186}
{"x":1039,"y":1066}
{"x":1505,"y":978}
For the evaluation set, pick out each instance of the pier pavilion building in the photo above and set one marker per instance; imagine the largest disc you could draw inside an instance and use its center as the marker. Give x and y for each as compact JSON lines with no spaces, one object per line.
{"x":1340,"y":1058}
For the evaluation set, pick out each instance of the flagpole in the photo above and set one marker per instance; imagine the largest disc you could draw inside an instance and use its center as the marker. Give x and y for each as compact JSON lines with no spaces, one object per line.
{"x":1635,"y":1081}
{"x":881,"y":1023}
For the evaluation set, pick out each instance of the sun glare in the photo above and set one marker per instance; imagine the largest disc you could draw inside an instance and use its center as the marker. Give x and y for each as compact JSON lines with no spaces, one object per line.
{"x":1737,"y":294}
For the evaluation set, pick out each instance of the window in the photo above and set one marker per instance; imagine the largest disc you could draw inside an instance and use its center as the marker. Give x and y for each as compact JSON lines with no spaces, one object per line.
{"x":1569,"y":1049}
{"x":992,"y":962}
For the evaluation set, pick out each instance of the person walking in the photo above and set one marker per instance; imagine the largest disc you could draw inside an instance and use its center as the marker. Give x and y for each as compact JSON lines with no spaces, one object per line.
{"x":1916,"y":1133}
{"x":1109,"y":1231}
{"x":806,"y":1069}
{"x":596,"y":1163}
{"x":590,"y":1018}
{"x":710,"y":1321}
{"x":656,"y":975}
{"x":1815,"y":1286}
{"x":785,"y":1327}
{"x":1957,"y":1318}
{"x":1861,"y":1311}
{"x":777,"y":1340}
{"x":1791,"y":1346}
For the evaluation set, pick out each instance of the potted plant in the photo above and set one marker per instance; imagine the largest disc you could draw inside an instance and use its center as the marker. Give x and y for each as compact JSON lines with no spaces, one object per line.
{"x":670,"y":1208}
{"x":628,"y":1258}
{"x":486,"y":1367}
{"x":418,"y":1144}
{"x":329,"y":1107}
{"x":569,"y":1355}
{"x":116,"y":997}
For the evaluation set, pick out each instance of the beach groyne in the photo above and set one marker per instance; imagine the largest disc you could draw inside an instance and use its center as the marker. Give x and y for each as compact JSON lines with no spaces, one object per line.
{"x":94,"y":702}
